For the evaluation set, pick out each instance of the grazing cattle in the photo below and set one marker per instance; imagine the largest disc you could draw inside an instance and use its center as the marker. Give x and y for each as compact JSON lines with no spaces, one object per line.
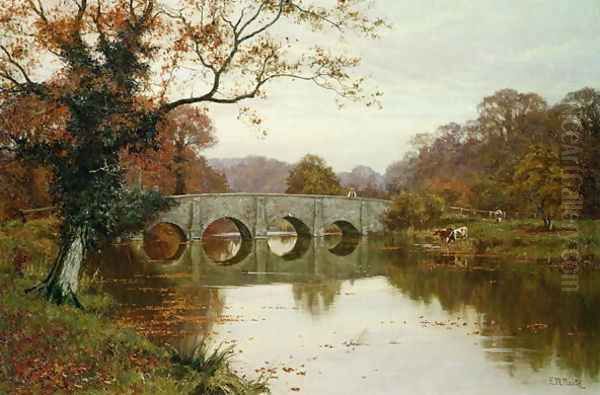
{"x":449,"y":235}
{"x":461,"y":233}
{"x":444,"y":234}
{"x":499,"y":215}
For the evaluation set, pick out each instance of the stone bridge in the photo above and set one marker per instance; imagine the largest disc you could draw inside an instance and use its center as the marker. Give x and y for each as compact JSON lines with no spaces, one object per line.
{"x":252,"y":213}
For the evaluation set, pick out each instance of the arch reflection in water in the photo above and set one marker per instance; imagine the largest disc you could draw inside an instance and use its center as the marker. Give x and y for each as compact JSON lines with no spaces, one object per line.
{"x":288,"y":238}
{"x":342,"y":238}
{"x":164,"y":242}
{"x":289,"y":247}
{"x":227,"y":241}
{"x":228,"y":250}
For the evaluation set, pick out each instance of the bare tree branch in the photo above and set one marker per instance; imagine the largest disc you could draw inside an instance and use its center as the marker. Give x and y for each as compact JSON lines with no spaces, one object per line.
{"x":238,"y":40}
{"x":263,"y":28}
{"x":316,"y":15}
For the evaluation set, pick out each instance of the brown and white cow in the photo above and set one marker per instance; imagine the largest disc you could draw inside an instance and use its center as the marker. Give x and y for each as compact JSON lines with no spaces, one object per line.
{"x":461,"y":233}
{"x":444,"y":234}
{"x":449,"y":235}
{"x":499,"y":215}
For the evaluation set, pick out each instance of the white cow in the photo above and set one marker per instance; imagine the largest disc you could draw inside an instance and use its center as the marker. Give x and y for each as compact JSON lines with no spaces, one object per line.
{"x":459,"y":233}
{"x":500,"y":215}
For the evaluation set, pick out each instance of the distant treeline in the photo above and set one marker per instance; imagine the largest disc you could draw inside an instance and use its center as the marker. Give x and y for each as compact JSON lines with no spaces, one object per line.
{"x":509,"y":157}
{"x":261,"y":174}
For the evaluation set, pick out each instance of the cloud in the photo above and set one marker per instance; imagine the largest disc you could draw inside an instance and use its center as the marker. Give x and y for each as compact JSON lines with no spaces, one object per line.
{"x":438,"y":62}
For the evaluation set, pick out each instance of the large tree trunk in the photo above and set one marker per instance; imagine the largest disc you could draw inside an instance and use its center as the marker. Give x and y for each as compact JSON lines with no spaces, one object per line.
{"x":60,"y":286}
{"x":179,"y":161}
{"x":180,"y":187}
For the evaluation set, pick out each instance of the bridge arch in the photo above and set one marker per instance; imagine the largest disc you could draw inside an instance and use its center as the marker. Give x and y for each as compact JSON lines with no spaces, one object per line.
{"x":164,"y":241}
{"x":226,"y":251}
{"x":297,"y":210}
{"x":176,"y":225}
{"x":347,"y":228}
{"x":301,"y":229}
{"x":243,"y":229}
{"x":245,"y":232}
{"x":285,"y":245}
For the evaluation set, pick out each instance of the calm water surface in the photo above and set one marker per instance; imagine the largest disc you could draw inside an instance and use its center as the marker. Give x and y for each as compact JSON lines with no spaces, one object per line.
{"x":329,"y":316}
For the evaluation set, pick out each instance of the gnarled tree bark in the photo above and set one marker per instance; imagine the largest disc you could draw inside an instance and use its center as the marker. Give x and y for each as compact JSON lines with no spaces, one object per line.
{"x":61,"y":284}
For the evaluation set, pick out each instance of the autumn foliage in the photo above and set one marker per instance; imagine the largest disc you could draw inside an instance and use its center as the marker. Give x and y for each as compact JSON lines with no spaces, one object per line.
{"x":83,"y":83}
{"x":520,"y":154}
{"x":178,"y":167}
{"x":23,"y":186}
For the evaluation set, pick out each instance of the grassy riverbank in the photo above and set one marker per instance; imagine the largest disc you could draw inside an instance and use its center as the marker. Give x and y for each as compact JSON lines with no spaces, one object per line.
{"x":58,"y":349}
{"x":520,"y":239}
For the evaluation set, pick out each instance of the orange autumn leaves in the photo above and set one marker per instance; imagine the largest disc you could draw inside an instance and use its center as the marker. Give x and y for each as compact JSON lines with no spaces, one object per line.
{"x":176,"y":164}
{"x":227,"y":45}
{"x":178,"y":167}
{"x":35,"y":120}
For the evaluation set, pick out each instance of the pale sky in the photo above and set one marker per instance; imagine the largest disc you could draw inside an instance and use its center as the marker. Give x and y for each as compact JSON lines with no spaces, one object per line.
{"x":435,"y":65}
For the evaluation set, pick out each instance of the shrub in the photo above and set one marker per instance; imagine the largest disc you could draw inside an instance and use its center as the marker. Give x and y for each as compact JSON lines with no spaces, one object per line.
{"x":217,"y":377}
{"x":414,"y":209}
{"x":34,"y":242}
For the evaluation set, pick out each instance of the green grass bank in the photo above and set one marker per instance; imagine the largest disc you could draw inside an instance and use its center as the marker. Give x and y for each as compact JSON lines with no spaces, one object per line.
{"x":519,"y":239}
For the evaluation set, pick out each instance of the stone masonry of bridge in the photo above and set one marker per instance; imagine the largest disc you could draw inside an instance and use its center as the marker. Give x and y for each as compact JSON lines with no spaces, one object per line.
{"x":252,"y":213}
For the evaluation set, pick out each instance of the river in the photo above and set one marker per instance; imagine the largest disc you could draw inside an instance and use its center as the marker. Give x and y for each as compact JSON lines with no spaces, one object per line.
{"x":332,"y":316}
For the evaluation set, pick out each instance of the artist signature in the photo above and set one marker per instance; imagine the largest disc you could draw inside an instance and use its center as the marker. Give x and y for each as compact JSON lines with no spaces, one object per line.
{"x":566,"y":381}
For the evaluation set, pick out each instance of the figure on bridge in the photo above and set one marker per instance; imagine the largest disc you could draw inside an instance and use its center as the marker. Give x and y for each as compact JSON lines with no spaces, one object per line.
{"x":351,"y":194}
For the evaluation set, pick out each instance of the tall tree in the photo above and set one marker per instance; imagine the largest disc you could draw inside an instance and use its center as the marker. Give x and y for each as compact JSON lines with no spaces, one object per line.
{"x":192,"y":132}
{"x":207,"y":179}
{"x":177,"y":167}
{"x":509,"y":121}
{"x":82,"y":81}
{"x":537,"y":182}
{"x":312,"y":176}
{"x":584,"y":152}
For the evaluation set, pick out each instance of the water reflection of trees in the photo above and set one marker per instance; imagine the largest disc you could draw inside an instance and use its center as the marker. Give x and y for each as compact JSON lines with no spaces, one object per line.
{"x":316,"y":297}
{"x":222,"y":249}
{"x":159,"y":301}
{"x":509,"y":299}
{"x":510,"y":302}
